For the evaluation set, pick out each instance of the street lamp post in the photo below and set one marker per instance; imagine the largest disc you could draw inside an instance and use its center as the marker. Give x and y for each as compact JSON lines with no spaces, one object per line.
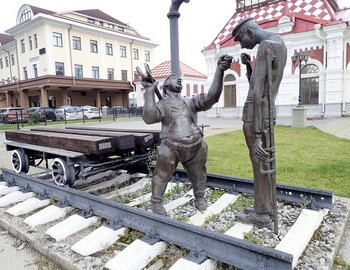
{"x":173,"y":16}
{"x":299,"y":59}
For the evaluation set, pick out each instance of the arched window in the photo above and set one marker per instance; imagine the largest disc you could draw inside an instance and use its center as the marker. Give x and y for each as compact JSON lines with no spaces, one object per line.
{"x":309,"y":84}
{"x":52,"y":102}
{"x":69,"y":101}
{"x":26,"y":15}
{"x":230,"y":91}
{"x":108,"y":101}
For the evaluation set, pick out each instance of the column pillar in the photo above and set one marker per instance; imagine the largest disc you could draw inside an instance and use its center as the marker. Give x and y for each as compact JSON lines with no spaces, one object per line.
{"x":98,"y":98}
{"x":23,"y":98}
{"x":9,"y":99}
{"x":44,"y":101}
{"x":64,"y":92}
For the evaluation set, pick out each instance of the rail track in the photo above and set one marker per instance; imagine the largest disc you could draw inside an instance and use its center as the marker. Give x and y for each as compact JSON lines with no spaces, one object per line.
{"x":94,"y":200}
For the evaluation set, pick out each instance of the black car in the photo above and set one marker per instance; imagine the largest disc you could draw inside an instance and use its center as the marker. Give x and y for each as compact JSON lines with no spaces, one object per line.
{"x":46,"y":113}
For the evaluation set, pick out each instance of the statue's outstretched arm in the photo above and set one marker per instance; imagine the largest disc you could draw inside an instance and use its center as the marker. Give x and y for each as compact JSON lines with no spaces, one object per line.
{"x":224,"y":63}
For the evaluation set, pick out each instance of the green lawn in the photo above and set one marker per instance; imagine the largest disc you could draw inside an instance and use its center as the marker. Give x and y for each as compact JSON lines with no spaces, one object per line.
{"x":304,"y":157}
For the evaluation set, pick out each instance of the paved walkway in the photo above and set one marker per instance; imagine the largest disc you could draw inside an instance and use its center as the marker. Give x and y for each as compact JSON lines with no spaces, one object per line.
{"x":14,"y":258}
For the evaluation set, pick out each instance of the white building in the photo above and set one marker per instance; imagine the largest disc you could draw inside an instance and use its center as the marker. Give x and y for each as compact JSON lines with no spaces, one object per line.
{"x":314,"y":27}
{"x":193,"y":81}
{"x":67,"y":58}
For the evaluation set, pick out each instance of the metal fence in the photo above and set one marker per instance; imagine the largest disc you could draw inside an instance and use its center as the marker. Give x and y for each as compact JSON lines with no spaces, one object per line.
{"x":24,"y":119}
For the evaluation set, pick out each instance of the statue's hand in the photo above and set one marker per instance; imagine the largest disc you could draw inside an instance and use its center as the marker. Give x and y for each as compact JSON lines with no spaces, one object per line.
{"x":245,"y":58}
{"x":259,"y":151}
{"x":224,"y":62}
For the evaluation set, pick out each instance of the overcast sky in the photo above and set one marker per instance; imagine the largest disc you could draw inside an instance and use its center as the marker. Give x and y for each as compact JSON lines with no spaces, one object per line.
{"x":200,"y":21}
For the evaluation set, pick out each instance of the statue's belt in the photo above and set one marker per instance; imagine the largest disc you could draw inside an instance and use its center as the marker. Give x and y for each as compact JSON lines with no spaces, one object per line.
{"x":178,"y":146}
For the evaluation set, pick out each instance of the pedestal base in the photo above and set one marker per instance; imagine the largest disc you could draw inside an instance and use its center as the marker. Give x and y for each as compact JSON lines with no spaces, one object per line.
{"x":299,"y":117}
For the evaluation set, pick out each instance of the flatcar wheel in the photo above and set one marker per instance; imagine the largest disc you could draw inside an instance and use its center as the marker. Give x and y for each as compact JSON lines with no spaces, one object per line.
{"x":20,"y":161}
{"x":62,"y":173}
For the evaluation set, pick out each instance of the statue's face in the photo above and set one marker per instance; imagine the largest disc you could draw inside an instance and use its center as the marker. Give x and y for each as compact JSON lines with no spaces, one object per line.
{"x":247,"y":39}
{"x":175,"y":84}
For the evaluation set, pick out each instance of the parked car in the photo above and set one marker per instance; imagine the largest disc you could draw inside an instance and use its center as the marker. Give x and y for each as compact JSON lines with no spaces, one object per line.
{"x":68,"y":114}
{"x":13,"y":114}
{"x":90,"y":112}
{"x":45,"y":113}
{"x":117,"y":110}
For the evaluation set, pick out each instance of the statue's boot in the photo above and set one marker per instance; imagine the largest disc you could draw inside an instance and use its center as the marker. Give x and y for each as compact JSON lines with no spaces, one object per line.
{"x":158,"y":190}
{"x":260,"y":220}
{"x":199,"y":191}
{"x":250,"y":210}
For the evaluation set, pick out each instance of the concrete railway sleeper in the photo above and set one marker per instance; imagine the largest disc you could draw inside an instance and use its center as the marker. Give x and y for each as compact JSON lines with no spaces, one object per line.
{"x":201,"y":242}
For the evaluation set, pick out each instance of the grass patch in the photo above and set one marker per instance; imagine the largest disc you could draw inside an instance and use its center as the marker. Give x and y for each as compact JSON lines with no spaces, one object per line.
{"x":304,"y":157}
{"x":340,"y":262}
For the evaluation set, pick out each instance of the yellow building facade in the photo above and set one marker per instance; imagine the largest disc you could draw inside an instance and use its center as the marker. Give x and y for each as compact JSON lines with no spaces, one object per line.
{"x":83,"y":57}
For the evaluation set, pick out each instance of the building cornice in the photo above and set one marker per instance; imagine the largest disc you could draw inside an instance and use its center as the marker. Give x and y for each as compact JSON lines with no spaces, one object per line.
{"x":65,"y":22}
{"x":67,"y":81}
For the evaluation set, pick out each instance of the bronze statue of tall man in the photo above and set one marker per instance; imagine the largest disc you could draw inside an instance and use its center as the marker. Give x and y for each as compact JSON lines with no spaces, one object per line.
{"x":259,"y":114}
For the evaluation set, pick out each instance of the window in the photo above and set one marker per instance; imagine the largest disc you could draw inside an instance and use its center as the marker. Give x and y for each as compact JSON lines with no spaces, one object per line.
{"x":93,"y":46}
{"x":23,"y":46}
{"x":135,"y":53}
{"x":13,"y":59}
{"x":110,"y":73}
{"x":122,"y":51}
{"x":202,"y":88}
{"x":309,"y":84}
{"x":90,"y":20}
{"x":35,"y":41}
{"x":59,"y":68}
{"x":229,"y":91}
{"x":108,"y":101}
{"x":30,"y":43}
{"x":78,"y":71}
{"x":6,"y":61}
{"x":111,"y":26}
{"x":57,"y":39}
{"x":195,"y":89}
{"x":1,"y":63}
{"x":25,"y":73}
{"x":109,"y":49}
{"x":124,"y":75}
{"x":147,"y":56}
{"x":25,"y":16}
{"x":76,"y":43}
{"x":95,"y":72}
{"x":188,"y":90}
{"x":35,"y":70}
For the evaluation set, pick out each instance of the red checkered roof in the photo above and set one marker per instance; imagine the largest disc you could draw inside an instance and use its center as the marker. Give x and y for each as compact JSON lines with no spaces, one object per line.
{"x":163,"y":70}
{"x":316,"y":11}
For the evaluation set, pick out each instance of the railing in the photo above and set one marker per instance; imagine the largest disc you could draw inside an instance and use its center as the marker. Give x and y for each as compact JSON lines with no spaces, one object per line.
{"x":22,"y":119}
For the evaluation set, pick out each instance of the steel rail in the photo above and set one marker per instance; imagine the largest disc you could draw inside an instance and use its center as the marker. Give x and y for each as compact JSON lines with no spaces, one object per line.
{"x":201,"y":242}
{"x":315,"y":199}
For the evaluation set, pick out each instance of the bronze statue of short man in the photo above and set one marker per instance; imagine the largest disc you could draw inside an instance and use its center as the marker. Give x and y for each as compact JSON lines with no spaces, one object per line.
{"x":181,"y":137}
{"x":259,"y":114}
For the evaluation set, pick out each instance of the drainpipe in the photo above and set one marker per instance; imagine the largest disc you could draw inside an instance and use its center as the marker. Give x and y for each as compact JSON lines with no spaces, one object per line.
{"x":343,"y":111}
{"x":132,"y":69}
{"x":317,"y":28}
{"x":173,"y":16}
{"x":70,"y":55}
